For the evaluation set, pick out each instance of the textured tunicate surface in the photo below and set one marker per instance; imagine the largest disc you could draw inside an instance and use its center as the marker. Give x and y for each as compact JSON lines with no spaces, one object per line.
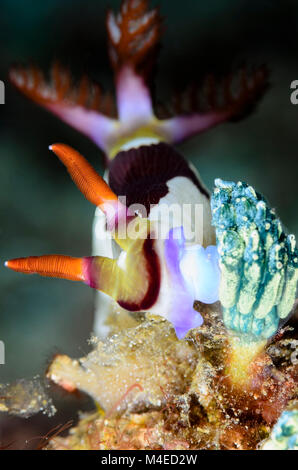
{"x":258,"y":261}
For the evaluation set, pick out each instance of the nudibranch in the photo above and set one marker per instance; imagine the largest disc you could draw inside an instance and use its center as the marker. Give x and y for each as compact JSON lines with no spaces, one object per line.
{"x":259,"y":270}
{"x":141,"y":270}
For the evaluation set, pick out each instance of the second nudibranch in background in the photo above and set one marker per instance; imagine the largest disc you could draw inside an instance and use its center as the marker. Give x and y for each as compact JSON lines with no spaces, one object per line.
{"x":162,"y":264}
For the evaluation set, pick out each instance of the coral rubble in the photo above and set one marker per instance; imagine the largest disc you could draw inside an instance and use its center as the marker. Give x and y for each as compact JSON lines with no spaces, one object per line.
{"x":159,"y":392}
{"x":25,"y":398}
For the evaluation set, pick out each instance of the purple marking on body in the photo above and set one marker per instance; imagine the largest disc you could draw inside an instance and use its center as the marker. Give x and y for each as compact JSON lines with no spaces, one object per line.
{"x":182,"y":315}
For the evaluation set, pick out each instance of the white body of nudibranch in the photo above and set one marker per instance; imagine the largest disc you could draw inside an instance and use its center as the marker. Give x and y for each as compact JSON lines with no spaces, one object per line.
{"x":183,"y":212}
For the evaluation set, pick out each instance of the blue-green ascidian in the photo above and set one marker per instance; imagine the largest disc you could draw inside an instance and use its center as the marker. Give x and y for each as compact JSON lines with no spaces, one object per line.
{"x":258,"y":261}
{"x":284,"y":435}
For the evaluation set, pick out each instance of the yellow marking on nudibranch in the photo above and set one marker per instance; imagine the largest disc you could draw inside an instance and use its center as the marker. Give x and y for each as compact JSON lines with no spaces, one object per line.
{"x":147,"y":131}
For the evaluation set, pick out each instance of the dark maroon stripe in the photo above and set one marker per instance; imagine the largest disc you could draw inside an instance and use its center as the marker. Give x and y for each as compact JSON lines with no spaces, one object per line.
{"x":153,"y":270}
{"x":141,"y":174}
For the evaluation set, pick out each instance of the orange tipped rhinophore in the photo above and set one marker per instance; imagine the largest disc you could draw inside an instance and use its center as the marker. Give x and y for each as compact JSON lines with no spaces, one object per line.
{"x":61,"y":266}
{"x":90,"y":183}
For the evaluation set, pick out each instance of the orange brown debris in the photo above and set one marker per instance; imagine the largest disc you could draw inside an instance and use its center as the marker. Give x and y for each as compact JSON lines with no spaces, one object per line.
{"x":60,"y":90}
{"x":133,"y":34}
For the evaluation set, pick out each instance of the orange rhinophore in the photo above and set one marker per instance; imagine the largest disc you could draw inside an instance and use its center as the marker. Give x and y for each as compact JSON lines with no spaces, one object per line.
{"x":89,"y":182}
{"x":60,"y":266}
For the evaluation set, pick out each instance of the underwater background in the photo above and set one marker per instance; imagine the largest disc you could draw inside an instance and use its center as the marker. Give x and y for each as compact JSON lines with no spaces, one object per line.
{"x":42,"y":211}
